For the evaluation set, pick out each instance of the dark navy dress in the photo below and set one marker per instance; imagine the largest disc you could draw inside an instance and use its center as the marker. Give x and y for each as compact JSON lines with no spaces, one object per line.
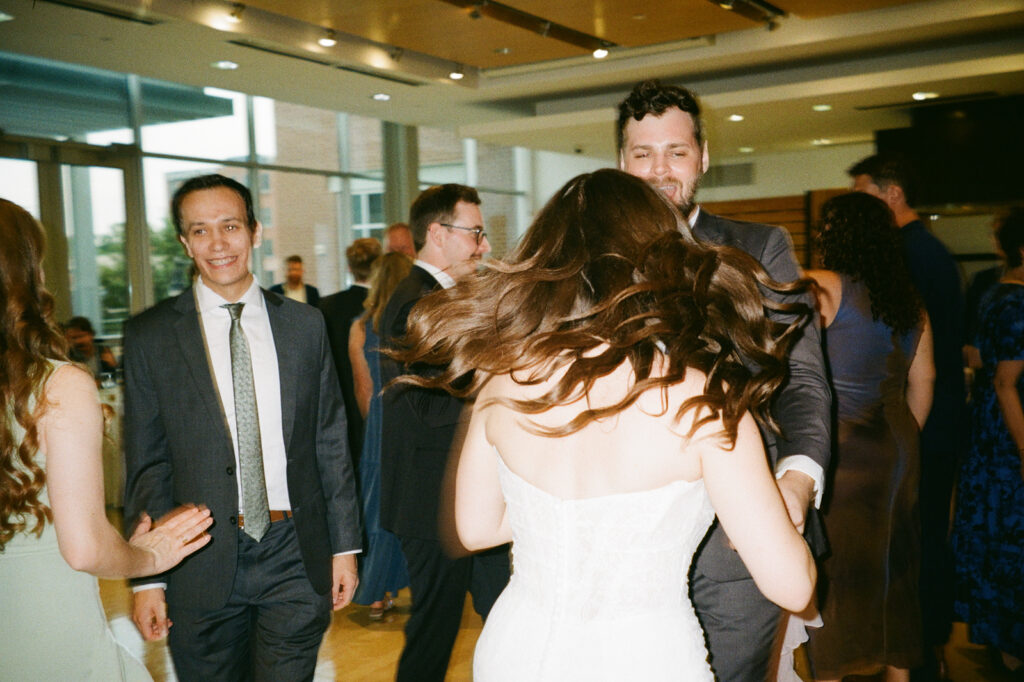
{"x":382,"y":567}
{"x":988,"y":529}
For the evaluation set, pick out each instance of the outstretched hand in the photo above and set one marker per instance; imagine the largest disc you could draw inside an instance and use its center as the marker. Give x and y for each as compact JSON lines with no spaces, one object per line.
{"x":174,"y":536}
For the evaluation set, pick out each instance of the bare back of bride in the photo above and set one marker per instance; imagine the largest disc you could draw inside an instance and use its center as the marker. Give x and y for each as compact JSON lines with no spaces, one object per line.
{"x":613,"y":418}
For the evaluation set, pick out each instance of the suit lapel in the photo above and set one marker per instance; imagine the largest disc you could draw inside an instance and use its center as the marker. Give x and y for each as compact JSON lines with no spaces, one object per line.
{"x":287,"y":369}
{"x":189,"y":333}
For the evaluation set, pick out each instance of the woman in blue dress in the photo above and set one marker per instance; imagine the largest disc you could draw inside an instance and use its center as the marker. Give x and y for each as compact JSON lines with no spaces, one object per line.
{"x":382,"y":571}
{"x":988,"y":529}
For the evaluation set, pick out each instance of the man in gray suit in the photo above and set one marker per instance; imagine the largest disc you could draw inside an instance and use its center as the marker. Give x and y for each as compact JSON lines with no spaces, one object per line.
{"x":660,"y":139}
{"x":232,"y":401}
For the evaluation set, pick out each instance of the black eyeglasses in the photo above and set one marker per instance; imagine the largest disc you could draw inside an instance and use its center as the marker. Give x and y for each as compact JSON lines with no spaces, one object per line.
{"x":478,"y":232}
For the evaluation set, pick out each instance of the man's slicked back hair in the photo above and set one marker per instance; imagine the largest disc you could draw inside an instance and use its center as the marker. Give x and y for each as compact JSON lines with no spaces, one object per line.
{"x":437,"y":205}
{"x":211,"y":181}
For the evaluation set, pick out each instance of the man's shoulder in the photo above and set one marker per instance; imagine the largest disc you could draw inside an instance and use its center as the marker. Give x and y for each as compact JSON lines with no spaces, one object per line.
{"x":277,"y":288}
{"x":161,"y":312}
{"x":738,"y":233}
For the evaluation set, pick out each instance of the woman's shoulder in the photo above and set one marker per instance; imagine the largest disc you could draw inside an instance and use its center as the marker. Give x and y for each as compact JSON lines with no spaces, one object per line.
{"x":67,"y":380}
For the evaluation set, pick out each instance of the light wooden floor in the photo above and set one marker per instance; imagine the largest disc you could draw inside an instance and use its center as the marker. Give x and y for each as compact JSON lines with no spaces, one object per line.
{"x":357,"y":649}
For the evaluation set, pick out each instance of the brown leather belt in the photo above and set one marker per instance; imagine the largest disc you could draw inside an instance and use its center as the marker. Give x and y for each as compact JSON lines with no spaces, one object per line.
{"x":275,"y":516}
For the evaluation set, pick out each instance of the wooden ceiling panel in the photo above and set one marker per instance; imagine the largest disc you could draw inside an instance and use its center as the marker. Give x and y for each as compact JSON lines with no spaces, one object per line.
{"x":813,"y":9}
{"x":631,"y":24}
{"x":435,"y":28}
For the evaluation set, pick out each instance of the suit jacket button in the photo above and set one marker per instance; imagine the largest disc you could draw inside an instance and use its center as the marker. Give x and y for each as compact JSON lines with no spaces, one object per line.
{"x":230,"y":470}
{"x":233,"y":520}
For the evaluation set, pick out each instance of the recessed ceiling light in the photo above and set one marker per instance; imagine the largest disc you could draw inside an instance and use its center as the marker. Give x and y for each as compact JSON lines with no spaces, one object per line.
{"x":225,"y":65}
{"x":821,"y":142}
{"x":600,"y":53}
{"x":639,"y":17}
{"x":822,"y":107}
{"x":4,"y":16}
{"x":457,"y":75}
{"x":921,"y":96}
{"x":235,"y":17}
{"x":745,"y":150}
{"x":503,"y":50}
{"x":381,"y":96}
{"x":328,"y":39}
{"x":735,"y":117}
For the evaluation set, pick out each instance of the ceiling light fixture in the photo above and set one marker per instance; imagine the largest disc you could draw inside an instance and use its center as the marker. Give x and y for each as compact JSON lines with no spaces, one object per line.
{"x":328,"y":39}
{"x":457,"y":74}
{"x":922,"y":96}
{"x":4,"y":16}
{"x":235,"y":17}
{"x":381,"y":97}
{"x":821,"y":142}
{"x":822,"y":107}
{"x":735,"y":118}
{"x":600,"y":53}
{"x":225,"y":65}
{"x":745,"y":150}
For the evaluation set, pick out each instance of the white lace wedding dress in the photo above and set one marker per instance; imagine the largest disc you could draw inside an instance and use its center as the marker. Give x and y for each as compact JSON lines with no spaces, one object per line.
{"x":599,"y":588}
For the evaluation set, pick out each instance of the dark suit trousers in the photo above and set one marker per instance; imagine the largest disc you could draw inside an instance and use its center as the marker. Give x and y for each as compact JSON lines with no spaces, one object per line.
{"x":271,"y":627}
{"x":740,"y":626}
{"x":438,"y":584}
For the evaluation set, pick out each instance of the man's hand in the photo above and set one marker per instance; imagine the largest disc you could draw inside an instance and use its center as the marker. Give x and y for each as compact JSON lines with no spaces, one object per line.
{"x":149,"y":611}
{"x":797,"y":490}
{"x":345,"y":577}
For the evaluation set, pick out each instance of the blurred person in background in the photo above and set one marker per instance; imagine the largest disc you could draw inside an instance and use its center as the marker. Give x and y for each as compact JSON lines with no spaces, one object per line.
{"x":382,"y":571}
{"x":988,"y":528}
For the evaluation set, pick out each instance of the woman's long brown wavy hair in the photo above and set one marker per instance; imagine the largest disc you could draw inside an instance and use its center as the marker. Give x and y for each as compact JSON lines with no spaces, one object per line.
{"x":385,"y":275}
{"x":609,"y":273}
{"x":28,"y":339}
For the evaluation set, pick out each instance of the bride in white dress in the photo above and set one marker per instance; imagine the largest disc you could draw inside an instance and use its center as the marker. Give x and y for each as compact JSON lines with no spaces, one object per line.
{"x":612,"y":421}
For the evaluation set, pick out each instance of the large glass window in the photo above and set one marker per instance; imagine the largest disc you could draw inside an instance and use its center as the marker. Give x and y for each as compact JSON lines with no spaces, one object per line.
{"x":20,"y":184}
{"x":305,"y":209}
{"x":441,"y":156}
{"x":94,"y":219}
{"x":202,"y":122}
{"x":47,"y":99}
{"x":294,"y":135}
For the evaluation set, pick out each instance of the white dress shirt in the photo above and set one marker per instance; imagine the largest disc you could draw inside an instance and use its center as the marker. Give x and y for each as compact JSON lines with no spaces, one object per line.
{"x":442,"y":277}
{"x":216,"y":324}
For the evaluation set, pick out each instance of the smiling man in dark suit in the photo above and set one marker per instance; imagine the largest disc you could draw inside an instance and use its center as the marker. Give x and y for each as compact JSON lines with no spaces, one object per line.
{"x":418,"y":430}
{"x":661,"y":140}
{"x":232,"y":401}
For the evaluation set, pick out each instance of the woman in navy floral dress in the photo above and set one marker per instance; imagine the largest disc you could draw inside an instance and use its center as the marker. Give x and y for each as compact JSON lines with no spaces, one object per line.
{"x":988,"y":531}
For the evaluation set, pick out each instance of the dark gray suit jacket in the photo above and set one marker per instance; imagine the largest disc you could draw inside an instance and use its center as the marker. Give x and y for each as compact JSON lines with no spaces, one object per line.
{"x":803,"y":408}
{"x":419,"y":426}
{"x":178,"y":445}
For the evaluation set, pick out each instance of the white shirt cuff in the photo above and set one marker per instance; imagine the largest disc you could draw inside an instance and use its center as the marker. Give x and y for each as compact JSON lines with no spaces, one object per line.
{"x":351,"y":551}
{"x":148,"y":586}
{"x":804,"y":465}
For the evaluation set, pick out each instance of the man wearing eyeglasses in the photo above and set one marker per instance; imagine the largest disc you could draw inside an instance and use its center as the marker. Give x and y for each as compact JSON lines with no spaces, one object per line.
{"x":417,"y":433}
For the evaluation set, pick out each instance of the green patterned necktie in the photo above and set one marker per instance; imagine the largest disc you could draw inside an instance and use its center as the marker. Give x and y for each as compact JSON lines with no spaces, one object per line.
{"x":247,"y":426}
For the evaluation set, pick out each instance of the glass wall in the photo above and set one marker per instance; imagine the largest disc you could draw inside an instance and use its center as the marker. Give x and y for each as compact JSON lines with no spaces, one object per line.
{"x":317,"y":177}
